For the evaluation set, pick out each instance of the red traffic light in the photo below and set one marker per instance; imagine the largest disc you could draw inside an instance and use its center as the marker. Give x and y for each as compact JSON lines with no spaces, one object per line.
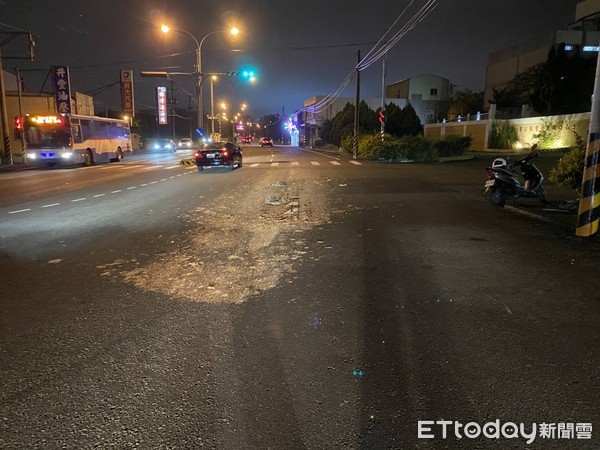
{"x":381,"y":117}
{"x":19,"y":123}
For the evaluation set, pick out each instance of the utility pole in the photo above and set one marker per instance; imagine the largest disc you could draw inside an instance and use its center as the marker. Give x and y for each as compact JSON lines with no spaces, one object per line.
{"x":589,"y":202}
{"x":383,"y":95}
{"x":19,"y":94}
{"x":356,"y":116}
{"x":7,"y":156}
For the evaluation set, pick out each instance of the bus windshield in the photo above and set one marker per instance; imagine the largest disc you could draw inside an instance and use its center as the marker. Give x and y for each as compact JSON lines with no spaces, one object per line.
{"x":47,"y":136}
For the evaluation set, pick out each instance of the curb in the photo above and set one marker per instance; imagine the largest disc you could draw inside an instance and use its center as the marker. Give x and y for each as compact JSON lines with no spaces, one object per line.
{"x":532,"y":215}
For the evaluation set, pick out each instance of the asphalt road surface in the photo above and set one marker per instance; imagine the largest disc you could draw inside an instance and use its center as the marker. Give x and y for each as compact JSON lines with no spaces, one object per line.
{"x":305,"y":300}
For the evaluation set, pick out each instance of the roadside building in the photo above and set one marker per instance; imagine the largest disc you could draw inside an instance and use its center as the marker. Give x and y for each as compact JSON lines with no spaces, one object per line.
{"x":427,"y":94}
{"x":581,"y":36}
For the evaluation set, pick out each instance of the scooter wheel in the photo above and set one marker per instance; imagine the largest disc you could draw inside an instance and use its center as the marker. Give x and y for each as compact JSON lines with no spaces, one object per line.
{"x":497,"y":197}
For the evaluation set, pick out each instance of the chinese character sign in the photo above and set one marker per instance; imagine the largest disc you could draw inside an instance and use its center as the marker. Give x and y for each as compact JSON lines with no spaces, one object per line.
{"x":127,"y":92}
{"x":62,"y":88}
{"x":162,"y":105}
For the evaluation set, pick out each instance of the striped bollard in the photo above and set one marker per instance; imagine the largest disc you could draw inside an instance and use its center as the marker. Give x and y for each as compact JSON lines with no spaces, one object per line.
{"x":589,"y":203}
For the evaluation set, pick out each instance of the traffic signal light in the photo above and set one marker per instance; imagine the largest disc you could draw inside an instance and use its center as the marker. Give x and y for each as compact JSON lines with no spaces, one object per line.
{"x":381,"y":117}
{"x":232,"y":74}
{"x":248,"y":74}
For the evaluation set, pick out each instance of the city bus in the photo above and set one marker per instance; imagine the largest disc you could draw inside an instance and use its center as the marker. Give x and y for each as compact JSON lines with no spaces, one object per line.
{"x":74,"y":139}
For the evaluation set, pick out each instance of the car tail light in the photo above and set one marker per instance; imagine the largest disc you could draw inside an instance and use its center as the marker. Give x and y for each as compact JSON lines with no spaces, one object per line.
{"x":224,"y":154}
{"x":197,"y":154}
{"x":491,"y":175}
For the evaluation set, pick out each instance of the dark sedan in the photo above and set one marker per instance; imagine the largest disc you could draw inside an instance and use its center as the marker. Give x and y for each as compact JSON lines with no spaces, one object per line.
{"x":219,"y":154}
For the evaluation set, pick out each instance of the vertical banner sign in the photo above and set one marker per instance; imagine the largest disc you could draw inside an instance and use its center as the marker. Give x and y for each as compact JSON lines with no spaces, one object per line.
{"x":127,"y":92}
{"x":161,"y":92}
{"x":62,"y":88}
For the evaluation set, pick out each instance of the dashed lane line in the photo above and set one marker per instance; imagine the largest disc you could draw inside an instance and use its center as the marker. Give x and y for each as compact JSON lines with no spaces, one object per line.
{"x":19,"y":211}
{"x":131,"y":187}
{"x":50,"y":205}
{"x":79,"y":200}
{"x":99,"y":195}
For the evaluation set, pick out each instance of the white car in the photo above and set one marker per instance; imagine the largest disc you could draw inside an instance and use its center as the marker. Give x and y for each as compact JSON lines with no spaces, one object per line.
{"x":185,"y":143}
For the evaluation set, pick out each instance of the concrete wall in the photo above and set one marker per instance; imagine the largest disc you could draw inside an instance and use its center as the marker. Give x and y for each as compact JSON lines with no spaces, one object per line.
{"x":398,"y":89}
{"x":562,"y":126}
{"x":478,"y":130}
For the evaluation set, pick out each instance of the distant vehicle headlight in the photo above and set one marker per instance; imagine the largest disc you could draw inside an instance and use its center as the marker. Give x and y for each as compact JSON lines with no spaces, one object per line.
{"x":168,"y":146}
{"x":66,"y":155}
{"x":156,"y":147}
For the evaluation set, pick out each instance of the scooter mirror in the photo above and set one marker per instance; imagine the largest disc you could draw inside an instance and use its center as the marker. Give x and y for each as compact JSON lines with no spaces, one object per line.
{"x":534,"y":147}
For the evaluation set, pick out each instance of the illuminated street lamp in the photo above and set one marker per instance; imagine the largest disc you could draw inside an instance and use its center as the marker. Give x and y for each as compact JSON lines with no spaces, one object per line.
{"x":199,"y":76}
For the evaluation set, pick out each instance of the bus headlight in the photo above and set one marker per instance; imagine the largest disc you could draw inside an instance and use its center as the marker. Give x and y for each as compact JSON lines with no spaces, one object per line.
{"x":31,"y":155}
{"x":66,"y":155}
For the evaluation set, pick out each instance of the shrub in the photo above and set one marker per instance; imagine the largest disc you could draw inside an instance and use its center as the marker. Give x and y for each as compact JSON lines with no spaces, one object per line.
{"x":372,"y":147}
{"x":548,"y":135}
{"x":418,"y":148}
{"x":453,"y":145}
{"x":504,"y":135}
{"x":569,"y":169}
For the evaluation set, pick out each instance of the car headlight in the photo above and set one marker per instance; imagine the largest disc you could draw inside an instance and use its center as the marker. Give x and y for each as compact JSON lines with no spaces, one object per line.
{"x":31,"y":155}
{"x":66,"y":155}
{"x":156,"y":147}
{"x":168,"y":146}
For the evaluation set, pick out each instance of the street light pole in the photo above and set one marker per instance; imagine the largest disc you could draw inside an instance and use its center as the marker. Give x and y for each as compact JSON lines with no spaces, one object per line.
{"x":212,"y":106}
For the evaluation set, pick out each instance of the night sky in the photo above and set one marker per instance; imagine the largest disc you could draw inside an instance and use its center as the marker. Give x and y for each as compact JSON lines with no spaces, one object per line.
{"x":300,"y":49}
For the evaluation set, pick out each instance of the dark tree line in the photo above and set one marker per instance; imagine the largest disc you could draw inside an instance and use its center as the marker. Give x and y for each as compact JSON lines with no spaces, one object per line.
{"x":399,"y":122}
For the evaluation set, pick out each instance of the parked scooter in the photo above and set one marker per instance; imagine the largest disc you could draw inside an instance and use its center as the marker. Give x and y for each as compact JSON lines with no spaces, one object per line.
{"x":503,"y":181}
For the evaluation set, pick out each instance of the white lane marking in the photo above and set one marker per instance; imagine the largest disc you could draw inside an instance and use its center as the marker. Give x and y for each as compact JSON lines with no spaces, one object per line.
{"x":170,"y":167}
{"x":178,"y":175}
{"x":163,"y":179}
{"x":50,"y":205}
{"x":153,"y":182}
{"x":356,"y":163}
{"x":335,"y":163}
{"x":170,"y":178}
{"x":315,"y":163}
{"x":145,"y":184}
{"x":79,"y":199}
{"x":275,"y":164}
{"x":254,"y":165}
{"x":19,"y":211}
{"x":322,"y":154}
{"x":295,"y":163}
{"x":131,"y":187}
{"x":101,"y":168}
{"x":99,"y":195}
{"x":116,"y":192}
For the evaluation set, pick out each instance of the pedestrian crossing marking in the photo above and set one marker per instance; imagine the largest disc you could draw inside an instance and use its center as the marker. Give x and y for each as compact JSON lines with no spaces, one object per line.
{"x":356,"y":163}
{"x":295,"y":163}
{"x":335,"y":163}
{"x":254,"y":165}
{"x":315,"y":163}
{"x":275,"y":164}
